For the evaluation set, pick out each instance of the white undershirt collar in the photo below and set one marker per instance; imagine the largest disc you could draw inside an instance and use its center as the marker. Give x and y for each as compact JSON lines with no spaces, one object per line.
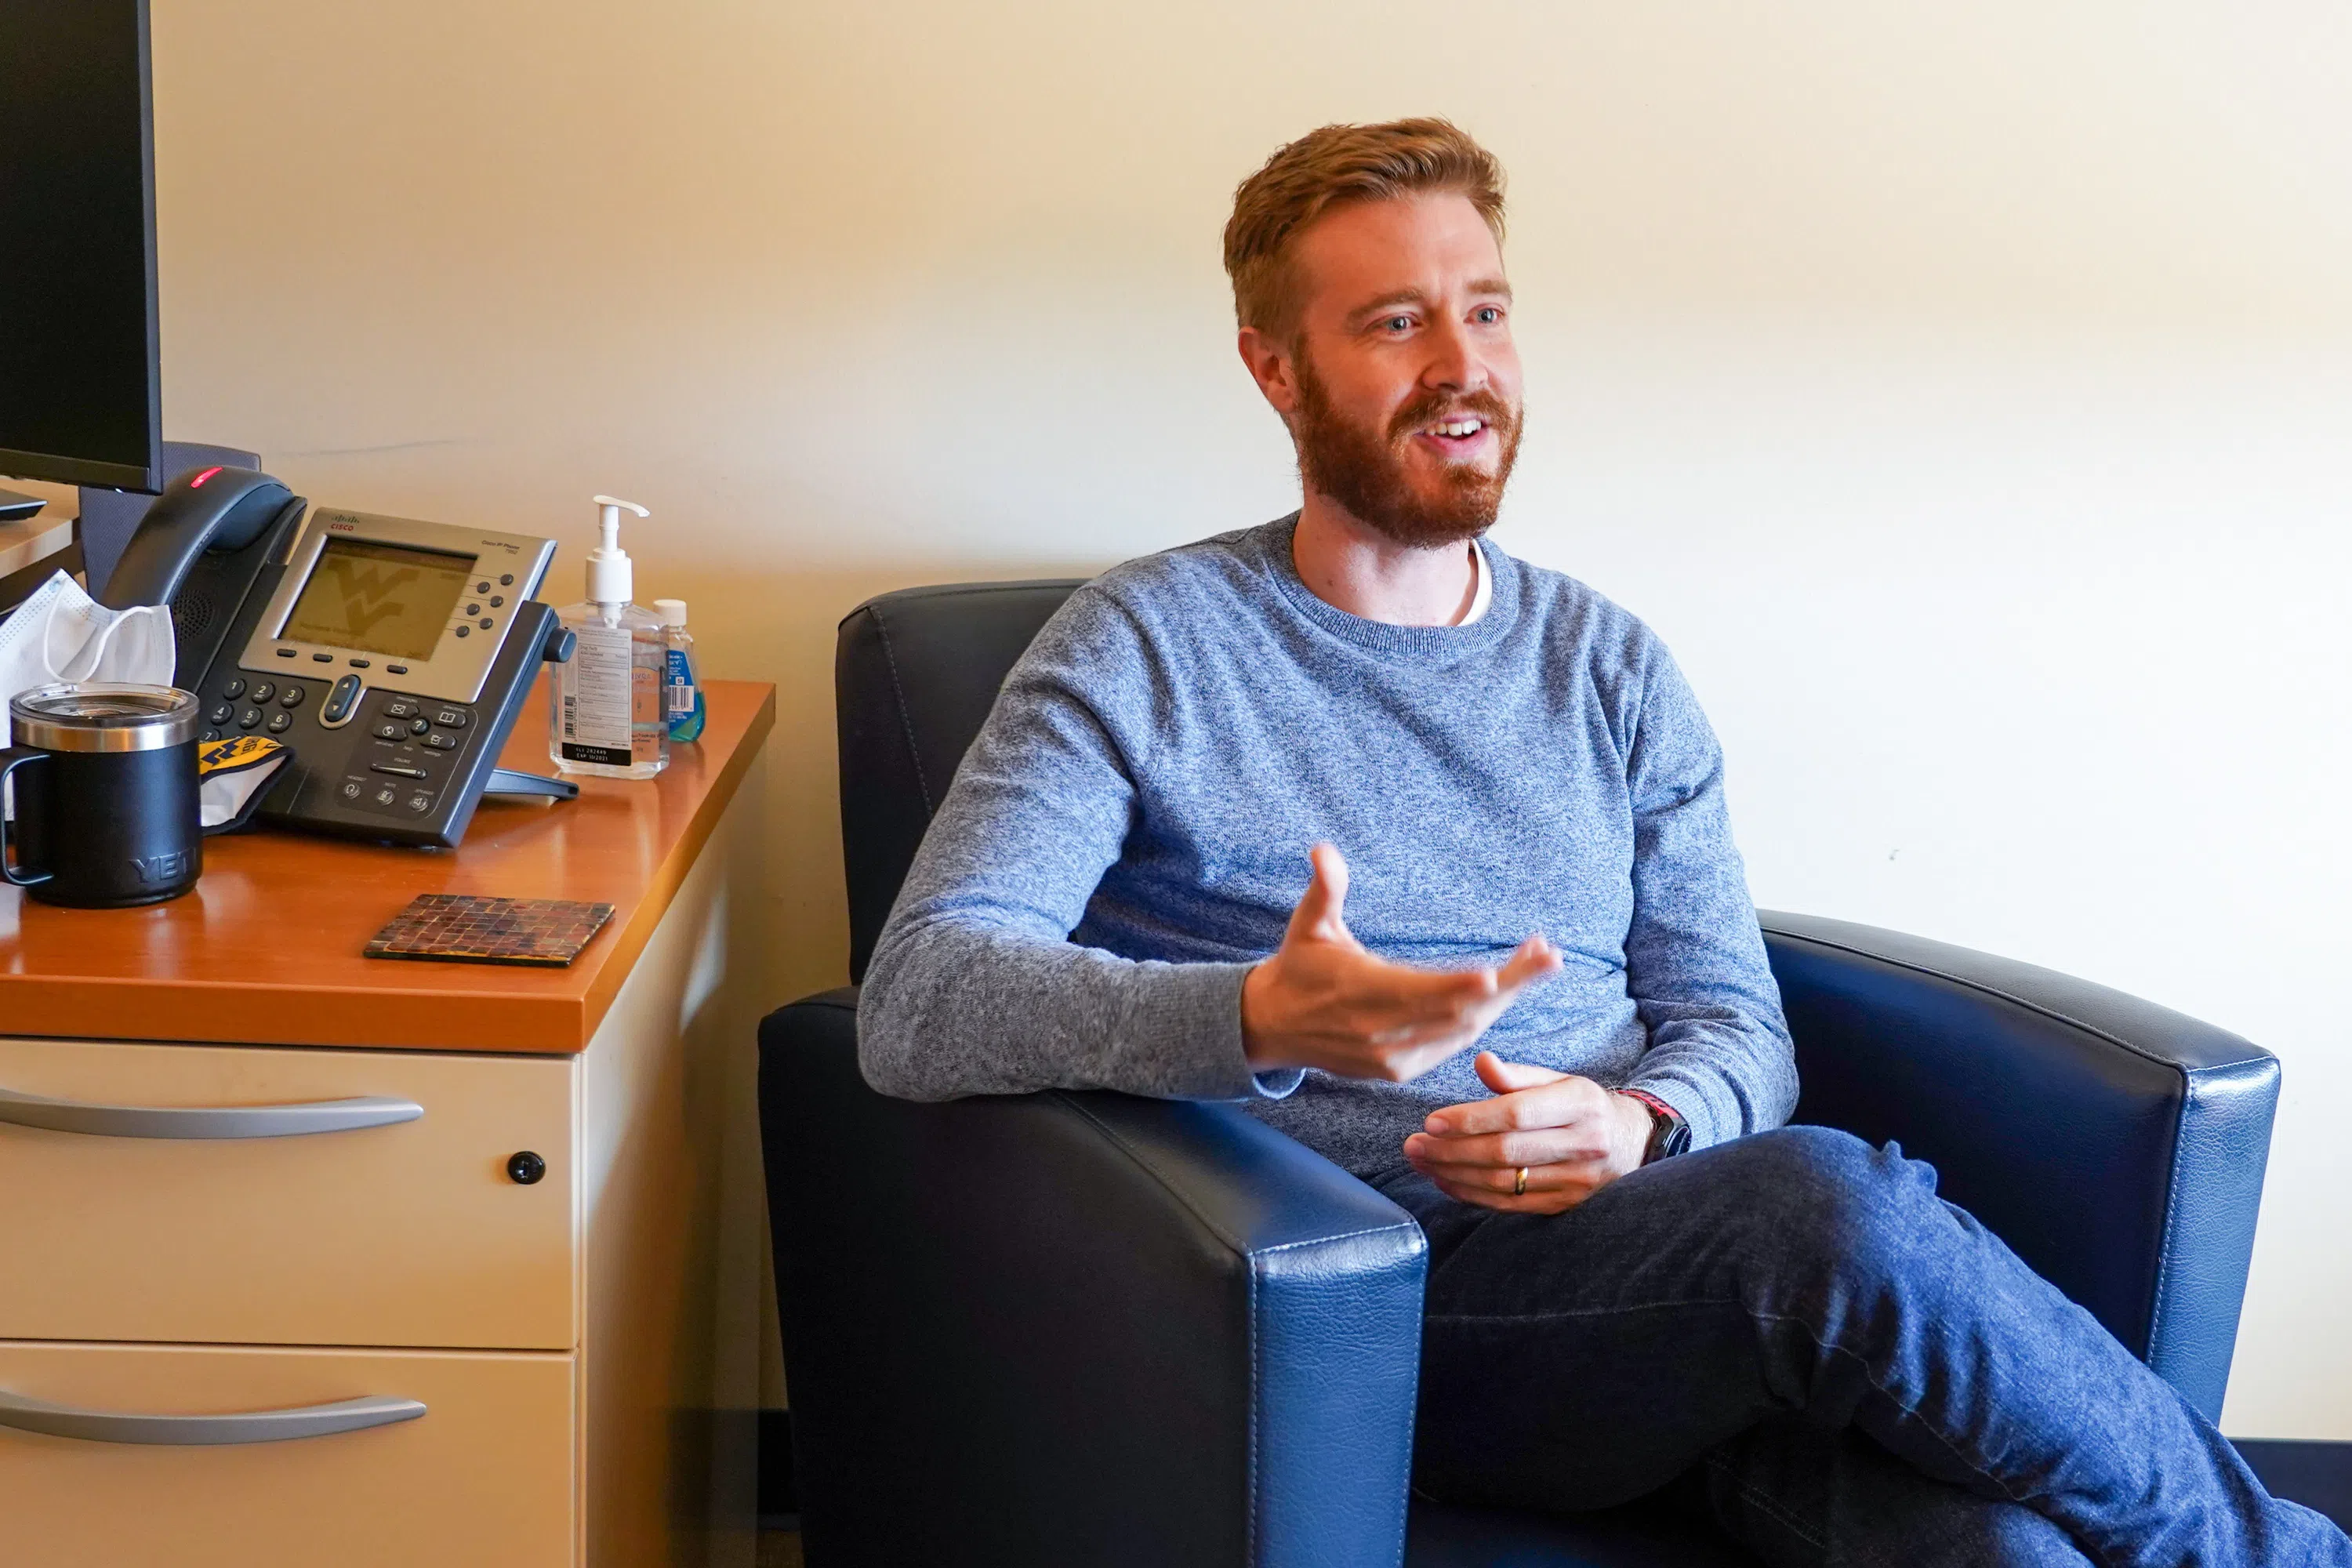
{"x":1485,"y":592}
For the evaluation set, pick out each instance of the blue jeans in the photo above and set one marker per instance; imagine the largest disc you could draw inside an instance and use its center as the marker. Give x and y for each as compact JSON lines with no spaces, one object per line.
{"x":1848,"y":1369}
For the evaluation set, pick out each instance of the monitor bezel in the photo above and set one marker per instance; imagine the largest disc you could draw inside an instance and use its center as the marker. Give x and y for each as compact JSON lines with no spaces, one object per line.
{"x":96,"y":473}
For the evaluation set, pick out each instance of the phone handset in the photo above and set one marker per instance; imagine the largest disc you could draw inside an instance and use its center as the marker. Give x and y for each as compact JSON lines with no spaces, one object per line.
{"x":219,"y":509}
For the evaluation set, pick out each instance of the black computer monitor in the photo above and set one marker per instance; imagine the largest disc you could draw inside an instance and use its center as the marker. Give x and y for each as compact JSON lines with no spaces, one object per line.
{"x":81,"y":396}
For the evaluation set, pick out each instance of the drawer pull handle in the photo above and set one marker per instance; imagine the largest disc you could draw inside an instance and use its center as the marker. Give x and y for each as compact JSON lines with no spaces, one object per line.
{"x":205,"y":1120}
{"x":191,"y":1431}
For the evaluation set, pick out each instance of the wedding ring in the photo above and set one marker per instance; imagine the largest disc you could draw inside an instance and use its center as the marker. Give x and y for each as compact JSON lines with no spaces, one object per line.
{"x":1519,"y":1187}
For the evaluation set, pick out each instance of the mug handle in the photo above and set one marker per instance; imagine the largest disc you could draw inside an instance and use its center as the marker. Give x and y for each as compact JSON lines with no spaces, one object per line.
{"x":12,"y":759}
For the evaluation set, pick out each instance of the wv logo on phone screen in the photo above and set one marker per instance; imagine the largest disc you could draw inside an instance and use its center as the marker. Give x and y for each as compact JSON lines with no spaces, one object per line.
{"x":368,"y":595}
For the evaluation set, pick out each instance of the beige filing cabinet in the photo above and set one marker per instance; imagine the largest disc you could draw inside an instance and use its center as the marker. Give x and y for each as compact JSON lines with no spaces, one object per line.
{"x":314,"y":1258}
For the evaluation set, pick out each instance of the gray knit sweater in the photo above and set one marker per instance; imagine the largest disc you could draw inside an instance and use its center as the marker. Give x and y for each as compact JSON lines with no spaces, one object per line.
{"x":1129,"y":834}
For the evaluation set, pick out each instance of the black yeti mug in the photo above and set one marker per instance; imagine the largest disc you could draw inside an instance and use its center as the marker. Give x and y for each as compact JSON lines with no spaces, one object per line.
{"x":106,"y":789}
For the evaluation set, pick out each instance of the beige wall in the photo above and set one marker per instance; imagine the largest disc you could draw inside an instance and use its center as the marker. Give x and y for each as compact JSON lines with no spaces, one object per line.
{"x":1962,"y":390}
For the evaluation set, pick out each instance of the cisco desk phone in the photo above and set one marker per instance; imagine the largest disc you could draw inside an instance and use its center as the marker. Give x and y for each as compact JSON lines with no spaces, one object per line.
{"x":389,"y":656}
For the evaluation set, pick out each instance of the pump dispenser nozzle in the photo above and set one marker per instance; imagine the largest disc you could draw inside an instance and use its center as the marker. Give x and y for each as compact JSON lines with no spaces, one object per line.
{"x":605,"y":707}
{"x":611,"y":580}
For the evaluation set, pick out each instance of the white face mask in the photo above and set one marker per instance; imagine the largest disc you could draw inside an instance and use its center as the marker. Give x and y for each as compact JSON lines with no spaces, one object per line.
{"x":63,"y":634}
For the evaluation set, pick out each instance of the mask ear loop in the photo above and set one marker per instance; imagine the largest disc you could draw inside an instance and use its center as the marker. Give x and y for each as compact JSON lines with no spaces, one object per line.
{"x":126,"y":629}
{"x":82,"y":660}
{"x":86,"y":659}
{"x":77,"y":606}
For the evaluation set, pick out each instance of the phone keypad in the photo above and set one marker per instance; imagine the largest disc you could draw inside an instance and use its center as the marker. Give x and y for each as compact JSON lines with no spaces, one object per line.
{"x":400,"y":766}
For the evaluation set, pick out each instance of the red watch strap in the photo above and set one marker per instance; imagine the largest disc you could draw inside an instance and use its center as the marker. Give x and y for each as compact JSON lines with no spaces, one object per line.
{"x":1657,"y":1107}
{"x":1661,"y":1115}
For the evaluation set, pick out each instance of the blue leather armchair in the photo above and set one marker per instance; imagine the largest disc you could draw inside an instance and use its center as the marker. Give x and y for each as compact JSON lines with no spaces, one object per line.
{"x":1077,"y":1329}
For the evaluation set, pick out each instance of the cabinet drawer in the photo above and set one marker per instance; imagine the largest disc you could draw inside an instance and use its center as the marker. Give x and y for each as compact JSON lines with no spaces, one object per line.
{"x":406,"y":1234}
{"x":483,"y":1477}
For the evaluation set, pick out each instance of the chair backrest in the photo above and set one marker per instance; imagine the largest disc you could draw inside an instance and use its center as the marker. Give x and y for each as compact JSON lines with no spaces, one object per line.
{"x":914,"y":675}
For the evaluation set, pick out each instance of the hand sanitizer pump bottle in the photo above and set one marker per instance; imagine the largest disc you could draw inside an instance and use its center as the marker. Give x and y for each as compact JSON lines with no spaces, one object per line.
{"x":605,"y":708}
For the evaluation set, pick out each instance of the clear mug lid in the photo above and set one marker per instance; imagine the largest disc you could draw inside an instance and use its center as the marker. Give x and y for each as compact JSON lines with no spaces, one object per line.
{"x":103,"y":716}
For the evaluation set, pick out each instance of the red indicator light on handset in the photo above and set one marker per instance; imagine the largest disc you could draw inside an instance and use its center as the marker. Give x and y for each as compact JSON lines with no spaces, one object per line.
{"x":198,"y":482}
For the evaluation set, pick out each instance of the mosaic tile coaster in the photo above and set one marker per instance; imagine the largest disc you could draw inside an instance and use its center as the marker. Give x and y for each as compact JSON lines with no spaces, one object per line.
{"x":466,"y":928}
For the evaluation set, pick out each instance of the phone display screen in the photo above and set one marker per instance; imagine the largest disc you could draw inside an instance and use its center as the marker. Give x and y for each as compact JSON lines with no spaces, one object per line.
{"x":390,"y":599}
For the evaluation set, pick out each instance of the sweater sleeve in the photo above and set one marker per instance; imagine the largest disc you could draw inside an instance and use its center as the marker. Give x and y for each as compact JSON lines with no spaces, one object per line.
{"x":974,"y":986}
{"x":1719,"y":1051}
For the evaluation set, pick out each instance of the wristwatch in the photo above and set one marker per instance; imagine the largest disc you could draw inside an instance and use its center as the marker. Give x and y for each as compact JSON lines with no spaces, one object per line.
{"x":1669,"y":1133}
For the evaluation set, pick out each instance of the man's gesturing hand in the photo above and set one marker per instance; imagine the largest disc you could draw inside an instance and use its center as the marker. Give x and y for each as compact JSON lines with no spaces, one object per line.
{"x":1573,"y":1136}
{"x":1323,"y":1001}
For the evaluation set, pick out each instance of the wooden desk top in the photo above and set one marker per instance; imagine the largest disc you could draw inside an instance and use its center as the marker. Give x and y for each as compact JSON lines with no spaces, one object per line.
{"x":266,"y":949}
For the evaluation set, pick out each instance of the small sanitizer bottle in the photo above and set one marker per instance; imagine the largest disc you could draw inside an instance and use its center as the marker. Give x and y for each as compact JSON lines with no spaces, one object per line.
{"x":605,"y":709}
{"x":682,"y":704}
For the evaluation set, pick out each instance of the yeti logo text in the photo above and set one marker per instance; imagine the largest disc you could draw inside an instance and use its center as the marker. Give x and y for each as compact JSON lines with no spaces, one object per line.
{"x":162,"y":867}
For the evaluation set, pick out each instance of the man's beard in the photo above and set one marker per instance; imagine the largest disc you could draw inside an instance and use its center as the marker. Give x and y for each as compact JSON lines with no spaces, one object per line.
{"x":1365,"y":472}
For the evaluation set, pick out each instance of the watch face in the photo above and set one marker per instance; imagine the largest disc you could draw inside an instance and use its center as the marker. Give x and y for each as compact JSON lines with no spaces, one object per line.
{"x":1669,"y":1135}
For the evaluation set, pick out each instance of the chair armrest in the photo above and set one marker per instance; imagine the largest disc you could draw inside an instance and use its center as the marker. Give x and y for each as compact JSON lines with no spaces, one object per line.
{"x":1079,"y":1328}
{"x":2117,"y":1146}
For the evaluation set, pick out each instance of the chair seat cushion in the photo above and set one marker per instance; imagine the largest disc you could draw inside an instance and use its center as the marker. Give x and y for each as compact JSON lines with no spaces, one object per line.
{"x":1438,"y":1536}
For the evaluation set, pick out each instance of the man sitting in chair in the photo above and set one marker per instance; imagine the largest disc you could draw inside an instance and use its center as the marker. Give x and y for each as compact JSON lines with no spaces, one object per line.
{"x":1298,"y":814}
